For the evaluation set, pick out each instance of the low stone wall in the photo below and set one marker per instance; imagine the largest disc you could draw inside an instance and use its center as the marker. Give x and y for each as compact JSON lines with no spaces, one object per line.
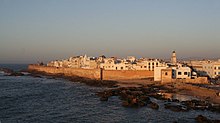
{"x":127,"y":74}
{"x":199,"y":80}
{"x":95,"y":73}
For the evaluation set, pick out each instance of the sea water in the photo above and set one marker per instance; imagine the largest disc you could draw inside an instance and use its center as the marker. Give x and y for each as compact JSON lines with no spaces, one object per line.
{"x":27,"y":99}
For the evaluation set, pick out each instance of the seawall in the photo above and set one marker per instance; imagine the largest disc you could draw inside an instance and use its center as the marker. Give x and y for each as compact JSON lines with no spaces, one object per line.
{"x":127,"y":74}
{"x":95,"y":73}
{"x":87,"y":73}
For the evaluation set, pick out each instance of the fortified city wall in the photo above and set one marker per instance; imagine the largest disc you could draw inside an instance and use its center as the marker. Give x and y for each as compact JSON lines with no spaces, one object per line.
{"x":95,"y":73}
{"x":127,"y":74}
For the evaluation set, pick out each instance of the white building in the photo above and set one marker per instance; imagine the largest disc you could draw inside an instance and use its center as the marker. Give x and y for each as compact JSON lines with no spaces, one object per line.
{"x":157,"y":73}
{"x":212,"y":69}
{"x":75,"y":62}
{"x":182,"y":73}
{"x":131,"y":58}
{"x":148,"y":64}
{"x":178,"y":70}
{"x":209,"y":68}
{"x":132,"y":64}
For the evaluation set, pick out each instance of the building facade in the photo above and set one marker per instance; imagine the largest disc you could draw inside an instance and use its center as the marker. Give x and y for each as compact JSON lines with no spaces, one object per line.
{"x":172,"y":70}
{"x":209,"y":68}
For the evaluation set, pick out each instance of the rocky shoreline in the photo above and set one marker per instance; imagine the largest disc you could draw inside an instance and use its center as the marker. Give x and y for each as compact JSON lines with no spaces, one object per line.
{"x":87,"y":81}
{"x":140,"y":96}
{"x":135,"y":96}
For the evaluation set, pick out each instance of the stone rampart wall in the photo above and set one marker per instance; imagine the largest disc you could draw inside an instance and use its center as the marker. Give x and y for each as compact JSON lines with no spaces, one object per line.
{"x":88,"y":73}
{"x":95,"y":73}
{"x":127,"y":74}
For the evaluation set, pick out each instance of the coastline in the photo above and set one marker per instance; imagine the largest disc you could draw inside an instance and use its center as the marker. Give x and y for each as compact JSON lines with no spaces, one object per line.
{"x":203,"y":94}
{"x":87,"y":81}
{"x":143,"y":92}
{"x":138,"y":94}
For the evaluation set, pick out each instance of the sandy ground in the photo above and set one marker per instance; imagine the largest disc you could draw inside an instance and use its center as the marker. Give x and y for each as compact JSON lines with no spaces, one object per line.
{"x":135,"y":83}
{"x":199,"y":92}
{"x":180,"y":88}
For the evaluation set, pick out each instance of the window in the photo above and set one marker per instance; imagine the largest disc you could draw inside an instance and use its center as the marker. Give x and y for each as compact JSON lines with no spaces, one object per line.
{"x":215,"y":68}
{"x":145,"y":66}
{"x":152,"y":63}
{"x":219,"y":68}
{"x":141,"y":66}
{"x":122,"y":68}
{"x":215,"y":73}
{"x":166,"y":73}
{"x":148,"y":63}
{"x":218,"y":73}
{"x":185,"y":73}
{"x":156,"y":63}
{"x":189,"y":74}
{"x":116,"y":68}
{"x":179,"y":73}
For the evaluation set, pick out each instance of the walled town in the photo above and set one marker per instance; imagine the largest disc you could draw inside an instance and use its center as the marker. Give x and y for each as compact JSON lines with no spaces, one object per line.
{"x":192,"y":84}
{"x":112,"y":63}
{"x":164,"y":71}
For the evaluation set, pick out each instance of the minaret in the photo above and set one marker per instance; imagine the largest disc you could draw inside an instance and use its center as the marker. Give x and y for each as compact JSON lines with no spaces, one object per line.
{"x":173,"y":58}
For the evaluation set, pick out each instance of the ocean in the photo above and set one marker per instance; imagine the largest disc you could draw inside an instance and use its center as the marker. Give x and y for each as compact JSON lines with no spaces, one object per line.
{"x":27,"y":99}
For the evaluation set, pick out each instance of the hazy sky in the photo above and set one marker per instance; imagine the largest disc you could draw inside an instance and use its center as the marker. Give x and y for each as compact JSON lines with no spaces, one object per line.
{"x":42,"y":30}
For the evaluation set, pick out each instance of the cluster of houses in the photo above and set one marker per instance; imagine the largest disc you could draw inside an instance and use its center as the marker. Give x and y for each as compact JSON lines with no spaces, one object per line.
{"x":112,"y":63}
{"x":173,"y":70}
{"x":163,"y":71}
{"x":209,"y":68}
{"x":78,"y":62}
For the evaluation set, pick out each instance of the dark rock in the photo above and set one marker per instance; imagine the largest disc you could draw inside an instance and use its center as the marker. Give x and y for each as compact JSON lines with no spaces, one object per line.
{"x":6,"y":70}
{"x":16,"y":74}
{"x":125,"y":104}
{"x":214,"y":107}
{"x":10,"y":72}
{"x":175,"y":108}
{"x":175,"y":100}
{"x":37,"y":76}
{"x":153,"y":105}
{"x":201,"y":105}
{"x":144,"y":98}
{"x":104,"y":99}
{"x":202,"y":119}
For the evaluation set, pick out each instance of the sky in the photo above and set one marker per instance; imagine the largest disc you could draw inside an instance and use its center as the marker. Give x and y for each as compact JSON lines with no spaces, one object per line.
{"x":44,"y":30}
